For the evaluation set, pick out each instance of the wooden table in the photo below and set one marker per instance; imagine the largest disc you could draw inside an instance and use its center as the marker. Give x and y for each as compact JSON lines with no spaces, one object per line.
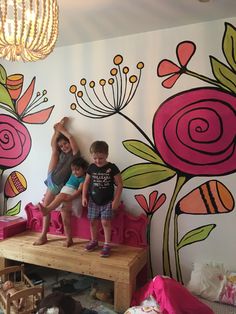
{"x":122,"y":267}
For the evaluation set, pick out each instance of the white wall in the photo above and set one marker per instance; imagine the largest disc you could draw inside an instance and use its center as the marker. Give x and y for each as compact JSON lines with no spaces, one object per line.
{"x":67,"y":65}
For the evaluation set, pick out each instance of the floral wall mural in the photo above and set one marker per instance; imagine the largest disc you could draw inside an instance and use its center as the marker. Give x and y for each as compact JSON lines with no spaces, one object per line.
{"x":194,"y":135}
{"x":18,"y":108}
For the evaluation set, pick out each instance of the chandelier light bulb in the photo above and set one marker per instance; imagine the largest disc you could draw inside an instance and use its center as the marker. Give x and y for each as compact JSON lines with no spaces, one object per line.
{"x":28,"y":29}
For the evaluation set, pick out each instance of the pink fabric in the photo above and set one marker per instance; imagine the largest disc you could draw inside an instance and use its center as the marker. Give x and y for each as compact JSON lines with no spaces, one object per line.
{"x":228,"y":293}
{"x":172,"y":297}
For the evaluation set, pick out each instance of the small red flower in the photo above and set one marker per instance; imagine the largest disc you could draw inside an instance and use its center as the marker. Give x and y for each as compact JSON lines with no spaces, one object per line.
{"x":184,"y":52}
{"x":155,"y":202}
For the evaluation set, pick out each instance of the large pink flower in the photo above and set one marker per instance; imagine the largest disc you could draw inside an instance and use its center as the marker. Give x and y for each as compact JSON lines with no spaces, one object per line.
{"x":195,"y":131}
{"x":15,"y":142}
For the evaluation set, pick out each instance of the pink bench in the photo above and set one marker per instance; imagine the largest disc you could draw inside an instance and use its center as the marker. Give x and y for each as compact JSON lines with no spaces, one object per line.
{"x":127,"y":229}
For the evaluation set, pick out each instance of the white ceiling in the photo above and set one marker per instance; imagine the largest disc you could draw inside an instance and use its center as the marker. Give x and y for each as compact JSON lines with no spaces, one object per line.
{"x":89,"y":20}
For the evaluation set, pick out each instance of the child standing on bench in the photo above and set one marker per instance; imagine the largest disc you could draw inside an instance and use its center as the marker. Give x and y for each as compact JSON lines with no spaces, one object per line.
{"x":64,"y":150}
{"x":69,"y":199}
{"x":100,"y":195}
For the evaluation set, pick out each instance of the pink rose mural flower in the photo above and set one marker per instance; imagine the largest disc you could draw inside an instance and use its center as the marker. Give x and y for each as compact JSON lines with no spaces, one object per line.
{"x":15,"y":142}
{"x":195,"y":131}
{"x":15,"y":145}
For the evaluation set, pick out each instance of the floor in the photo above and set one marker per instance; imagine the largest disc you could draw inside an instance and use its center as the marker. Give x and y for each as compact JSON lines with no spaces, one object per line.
{"x":94,"y":294}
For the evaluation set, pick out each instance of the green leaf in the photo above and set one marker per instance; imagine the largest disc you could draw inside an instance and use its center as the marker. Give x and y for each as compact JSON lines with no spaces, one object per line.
{"x":229,"y":45}
{"x":5,"y":97}
{"x":140,"y":176}
{"x":223,"y":74}
{"x":196,"y":235}
{"x":142,"y":150}
{"x":3,"y":75}
{"x":14,"y":210}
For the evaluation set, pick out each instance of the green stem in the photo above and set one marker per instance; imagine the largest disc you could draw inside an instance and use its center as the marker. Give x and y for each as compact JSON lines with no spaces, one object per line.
{"x":1,"y":174}
{"x":166,"y":235}
{"x":149,"y":244}
{"x":9,"y":110}
{"x":5,"y":206}
{"x":177,"y":262}
{"x":206,"y":79}
{"x":138,"y":128}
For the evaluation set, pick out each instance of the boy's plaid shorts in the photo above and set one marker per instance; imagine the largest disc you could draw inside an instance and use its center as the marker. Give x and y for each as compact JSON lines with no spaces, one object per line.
{"x":100,"y":211}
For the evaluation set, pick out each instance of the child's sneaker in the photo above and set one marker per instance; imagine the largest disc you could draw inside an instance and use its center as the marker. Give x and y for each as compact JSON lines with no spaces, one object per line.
{"x":106,"y":250}
{"x":91,"y":246}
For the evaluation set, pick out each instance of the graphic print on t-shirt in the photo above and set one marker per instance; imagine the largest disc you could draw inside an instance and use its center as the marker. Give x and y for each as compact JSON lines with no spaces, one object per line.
{"x":102,"y":182}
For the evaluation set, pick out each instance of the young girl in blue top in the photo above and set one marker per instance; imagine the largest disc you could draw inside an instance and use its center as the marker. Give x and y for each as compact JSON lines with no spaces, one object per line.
{"x":69,"y":199}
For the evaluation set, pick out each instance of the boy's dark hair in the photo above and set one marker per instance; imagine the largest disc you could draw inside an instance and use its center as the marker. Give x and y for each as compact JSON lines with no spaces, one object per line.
{"x":80,"y":163}
{"x":99,"y":147}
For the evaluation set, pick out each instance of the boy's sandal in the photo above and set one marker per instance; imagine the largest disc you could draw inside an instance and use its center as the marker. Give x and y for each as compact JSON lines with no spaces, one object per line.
{"x":91,"y":246}
{"x":106,"y":251}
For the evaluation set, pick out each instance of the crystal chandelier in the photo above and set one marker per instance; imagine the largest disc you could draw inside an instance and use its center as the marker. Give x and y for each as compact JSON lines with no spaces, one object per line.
{"x":28,"y":29}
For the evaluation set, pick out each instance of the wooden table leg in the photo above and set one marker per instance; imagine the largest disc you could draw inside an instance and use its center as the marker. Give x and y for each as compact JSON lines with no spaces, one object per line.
{"x":3,"y":263}
{"x":122,"y":295}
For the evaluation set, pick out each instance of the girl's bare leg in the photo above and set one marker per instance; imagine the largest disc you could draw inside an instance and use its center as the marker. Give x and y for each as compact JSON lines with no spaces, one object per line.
{"x":66,"y":218}
{"x":48,"y":198}
{"x":53,"y":205}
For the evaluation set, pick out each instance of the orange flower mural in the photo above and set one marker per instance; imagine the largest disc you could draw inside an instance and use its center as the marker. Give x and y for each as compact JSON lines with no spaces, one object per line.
{"x":211,"y":197}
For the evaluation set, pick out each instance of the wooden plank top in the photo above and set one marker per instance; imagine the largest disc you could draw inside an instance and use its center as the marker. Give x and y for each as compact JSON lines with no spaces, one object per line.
{"x":124,"y":262}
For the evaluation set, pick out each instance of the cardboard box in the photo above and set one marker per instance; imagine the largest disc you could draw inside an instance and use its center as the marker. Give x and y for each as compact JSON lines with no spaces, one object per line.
{"x":11,"y":225}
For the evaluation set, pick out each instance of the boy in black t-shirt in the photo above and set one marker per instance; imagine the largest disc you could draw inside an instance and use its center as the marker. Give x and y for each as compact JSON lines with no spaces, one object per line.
{"x":100,"y":195}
